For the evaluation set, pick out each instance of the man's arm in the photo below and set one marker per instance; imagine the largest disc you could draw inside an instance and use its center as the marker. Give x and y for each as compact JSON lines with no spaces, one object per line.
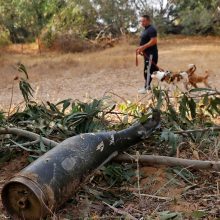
{"x":152,"y":42}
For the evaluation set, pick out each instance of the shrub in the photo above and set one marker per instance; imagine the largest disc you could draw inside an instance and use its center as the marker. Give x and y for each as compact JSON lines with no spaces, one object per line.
{"x":72,"y":43}
{"x":47,"y":37}
{"x":4,"y":37}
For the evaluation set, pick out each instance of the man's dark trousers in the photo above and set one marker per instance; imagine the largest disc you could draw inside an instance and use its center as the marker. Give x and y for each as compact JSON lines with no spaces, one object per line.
{"x":152,"y":69}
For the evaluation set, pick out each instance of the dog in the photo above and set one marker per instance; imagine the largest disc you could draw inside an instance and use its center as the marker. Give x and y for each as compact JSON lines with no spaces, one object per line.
{"x":188,"y":77}
{"x":194,"y":79}
{"x":172,"y":79}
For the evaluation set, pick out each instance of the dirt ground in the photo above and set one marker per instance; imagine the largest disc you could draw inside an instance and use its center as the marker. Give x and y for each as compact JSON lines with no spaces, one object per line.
{"x":56,"y":76}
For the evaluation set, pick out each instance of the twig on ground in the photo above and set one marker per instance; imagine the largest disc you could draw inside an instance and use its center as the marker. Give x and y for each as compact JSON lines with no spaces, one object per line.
{"x":29,"y":135}
{"x":23,"y":148}
{"x":128,"y":189}
{"x":121,"y":212}
{"x":197,"y":189}
{"x":182,"y":176}
{"x":197,"y":130}
{"x":138,"y":174}
{"x":154,"y":197}
{"x":31,"y":143}
{"x":171,"y":161}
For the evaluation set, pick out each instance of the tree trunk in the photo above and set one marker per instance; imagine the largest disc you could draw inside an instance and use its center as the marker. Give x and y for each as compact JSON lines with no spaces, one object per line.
{"x":39,"y":45}
{"x":47,"y":183}
{"x":22,"y":48}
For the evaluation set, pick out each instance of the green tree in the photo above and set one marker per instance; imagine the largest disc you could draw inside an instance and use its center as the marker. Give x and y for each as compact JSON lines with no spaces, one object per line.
{"x":24,"y":19}
{"x":4,"y":36}
{"x":161,"y":12}
{"x":189,"y":17}
{"x":118,"y":15}
{"x":77,"y":16}
{"x":197,"y":16}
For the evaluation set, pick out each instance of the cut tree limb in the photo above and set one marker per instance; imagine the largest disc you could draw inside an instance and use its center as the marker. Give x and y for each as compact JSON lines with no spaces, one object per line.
{"x":31,"y":143}
{"x":170,"y":161}
{"x":198,"y":130}
{"x":23,"y":147}
{"x":30,"y":135}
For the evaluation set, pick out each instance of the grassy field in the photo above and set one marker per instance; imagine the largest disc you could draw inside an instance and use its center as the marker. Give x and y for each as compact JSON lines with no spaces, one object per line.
{"x":56,"y":76}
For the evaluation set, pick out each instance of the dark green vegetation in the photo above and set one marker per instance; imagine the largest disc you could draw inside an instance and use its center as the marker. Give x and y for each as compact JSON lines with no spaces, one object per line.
{"x":24,"y":21}
{"x":122,"y":185}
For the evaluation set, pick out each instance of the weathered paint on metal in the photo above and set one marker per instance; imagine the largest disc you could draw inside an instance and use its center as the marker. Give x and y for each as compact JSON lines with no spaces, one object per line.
{"x":48,"y":182}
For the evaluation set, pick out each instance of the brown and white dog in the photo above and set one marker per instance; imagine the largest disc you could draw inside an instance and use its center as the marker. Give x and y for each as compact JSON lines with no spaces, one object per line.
{"x":170,"y":79}
{"x":188,"y":77}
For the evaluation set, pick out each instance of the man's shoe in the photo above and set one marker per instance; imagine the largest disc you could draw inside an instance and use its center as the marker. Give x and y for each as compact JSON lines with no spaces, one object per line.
{"x":142,"y":91}
{"x":148,"y":88}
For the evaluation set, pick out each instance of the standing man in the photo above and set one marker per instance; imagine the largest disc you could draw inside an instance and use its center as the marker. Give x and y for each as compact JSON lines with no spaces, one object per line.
{"x":148,"y":46}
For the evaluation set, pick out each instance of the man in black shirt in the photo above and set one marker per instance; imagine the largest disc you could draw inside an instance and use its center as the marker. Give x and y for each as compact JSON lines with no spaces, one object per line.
{"x":148,"y":47}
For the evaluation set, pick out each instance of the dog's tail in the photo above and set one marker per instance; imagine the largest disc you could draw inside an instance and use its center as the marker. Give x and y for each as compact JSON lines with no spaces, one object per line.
{"x":192,"y":68}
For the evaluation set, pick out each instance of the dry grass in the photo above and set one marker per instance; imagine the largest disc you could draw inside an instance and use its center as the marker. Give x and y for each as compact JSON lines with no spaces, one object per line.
{"x":57,"y":76}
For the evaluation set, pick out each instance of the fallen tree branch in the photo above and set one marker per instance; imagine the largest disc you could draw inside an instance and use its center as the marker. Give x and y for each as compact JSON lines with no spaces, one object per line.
{"x":170,"y":161}
{"x":31,"y":143}
{"x":197,"y":130}
{"x":23,"y":147}
{"x":30,"y":135}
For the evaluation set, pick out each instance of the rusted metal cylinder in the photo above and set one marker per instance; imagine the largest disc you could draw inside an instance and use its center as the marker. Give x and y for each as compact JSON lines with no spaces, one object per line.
{"x":44,"y":185}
